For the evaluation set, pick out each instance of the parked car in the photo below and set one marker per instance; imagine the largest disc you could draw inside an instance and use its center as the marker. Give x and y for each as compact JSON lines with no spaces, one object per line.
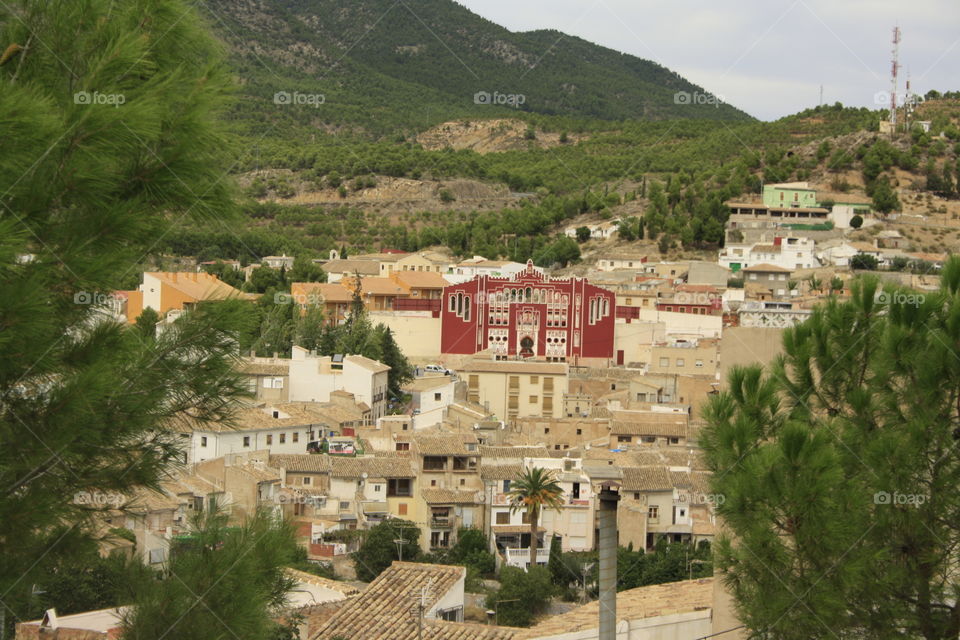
{"x":435,"y":368}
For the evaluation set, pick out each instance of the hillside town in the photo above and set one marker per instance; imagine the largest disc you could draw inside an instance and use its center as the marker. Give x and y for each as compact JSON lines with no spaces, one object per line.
{"x":599,"y":379}
{"x":466,"y":320}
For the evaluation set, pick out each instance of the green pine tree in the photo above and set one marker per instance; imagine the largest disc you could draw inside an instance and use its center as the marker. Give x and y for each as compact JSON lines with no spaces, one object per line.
{"x":221,"y":582}
{"x":108,"y":121}
{"x":838,"y":469}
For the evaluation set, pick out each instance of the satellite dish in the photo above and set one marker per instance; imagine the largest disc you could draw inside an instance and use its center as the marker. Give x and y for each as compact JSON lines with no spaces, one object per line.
{"x":364,"y":475}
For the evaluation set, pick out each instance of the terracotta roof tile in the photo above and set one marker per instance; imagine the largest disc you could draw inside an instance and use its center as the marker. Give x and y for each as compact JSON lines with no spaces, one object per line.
{"x":500,"y":471}
{"x":384,"y":610}
{"x":633,"y":604}
{"x":301,"y":462}
{"x":646,"y":479}
{"x":451,"y":496}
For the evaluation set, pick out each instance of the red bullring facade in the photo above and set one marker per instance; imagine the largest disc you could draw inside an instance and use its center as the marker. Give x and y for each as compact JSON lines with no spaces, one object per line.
{"x":529,"y":315}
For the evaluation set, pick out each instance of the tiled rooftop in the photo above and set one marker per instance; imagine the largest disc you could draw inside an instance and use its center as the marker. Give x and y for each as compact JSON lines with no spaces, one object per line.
{"x":634,"y":604}
{"x":385,"y":609}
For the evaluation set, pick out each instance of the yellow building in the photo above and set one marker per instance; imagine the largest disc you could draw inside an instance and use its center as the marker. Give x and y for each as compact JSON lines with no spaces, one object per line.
{"x":512,"y":389}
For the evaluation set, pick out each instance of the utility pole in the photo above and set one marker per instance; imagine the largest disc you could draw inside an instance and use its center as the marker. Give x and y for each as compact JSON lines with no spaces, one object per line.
{"x":609,"y":496}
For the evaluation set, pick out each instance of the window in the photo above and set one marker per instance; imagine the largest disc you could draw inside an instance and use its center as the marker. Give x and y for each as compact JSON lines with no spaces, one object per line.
{"x":548,"y":404}
{"x":664,"y":362}
{"x":546,"y":430}
{"x":306,"y":480}
{"x":624,"y":439}
{"x":534,"y":399}
{"x":377,"y":488}
{"x":653,"y":512}
{"x":503,"y":517}
{"x":579,"y":432}
{"x":680,"y":362}
{"x":636,"y":495}
{"x":514,"y":382}
{"x":548,"y":385}
{"x":576,"y":490}
{"x":403,"y":446}
{"x":452,"y":306}
{"x":269,"y":439}
{"x":463,"y":481}
{"x":534,"y":379}
{"x":649,"y":439}
{"x":296,"y":436}
{"x":283,"y":438}
{"x":398,"y":488}
{"x":513,"y":403}
{"x":401,"y":508}
{"x":437,"y":396}
{"x":433,"y":483}
{"x":674,"y":440}
{"x":698,"y":363}
{"x":344,"y":505}
{"x":203,"y":441}
{"x":453,"y":614}
{"x":506,"y":486}
{"x":246,"y":441}
{"x":434,"y":463}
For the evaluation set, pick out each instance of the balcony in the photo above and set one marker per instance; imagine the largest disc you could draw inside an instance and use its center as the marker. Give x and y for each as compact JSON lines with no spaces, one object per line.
{"x":521,"y":557}
{"x":441,"y":522}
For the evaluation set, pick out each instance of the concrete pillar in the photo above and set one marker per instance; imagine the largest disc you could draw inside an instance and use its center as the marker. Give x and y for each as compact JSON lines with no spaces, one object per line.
{"x":607,"y":521}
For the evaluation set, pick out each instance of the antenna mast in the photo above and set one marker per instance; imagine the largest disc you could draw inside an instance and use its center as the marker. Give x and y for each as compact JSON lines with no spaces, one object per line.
{"x":895,"y":67}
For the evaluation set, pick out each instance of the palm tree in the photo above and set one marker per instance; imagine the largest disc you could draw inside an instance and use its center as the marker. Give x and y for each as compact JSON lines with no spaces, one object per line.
{"x":534,"y":490}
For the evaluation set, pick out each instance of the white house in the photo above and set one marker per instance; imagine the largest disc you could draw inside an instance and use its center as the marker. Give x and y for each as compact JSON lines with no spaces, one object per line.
{"x":480,"y":266}
{"x":837,"y":254}
{"x":430,"y":397}
{"x":786,"y":252}
{"x":279,"y":428}
{"x":621,"y":261}
{"x":313,"y":378}
{"x":598,"y":230}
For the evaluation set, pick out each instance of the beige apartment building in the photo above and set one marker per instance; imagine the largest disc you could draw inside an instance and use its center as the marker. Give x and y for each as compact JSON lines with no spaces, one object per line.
{"x":685,"y":357}
{"x":512,"y":389}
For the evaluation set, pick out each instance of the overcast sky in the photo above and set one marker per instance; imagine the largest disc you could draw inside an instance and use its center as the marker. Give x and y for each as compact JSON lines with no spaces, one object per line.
{"x":767,"y":57}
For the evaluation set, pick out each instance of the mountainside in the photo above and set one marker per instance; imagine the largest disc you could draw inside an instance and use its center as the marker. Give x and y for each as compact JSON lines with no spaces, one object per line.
{"x":384,"y":64}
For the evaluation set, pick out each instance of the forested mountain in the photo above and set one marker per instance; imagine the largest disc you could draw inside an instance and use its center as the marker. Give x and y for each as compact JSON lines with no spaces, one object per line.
{"x":383,"y":65}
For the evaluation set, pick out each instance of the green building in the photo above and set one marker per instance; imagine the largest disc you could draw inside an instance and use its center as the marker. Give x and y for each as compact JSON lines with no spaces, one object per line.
{"x":789,"y":194}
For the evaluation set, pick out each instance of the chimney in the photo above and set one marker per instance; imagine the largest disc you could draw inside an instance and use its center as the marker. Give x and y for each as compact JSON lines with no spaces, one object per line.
{"x":607,"y":517}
